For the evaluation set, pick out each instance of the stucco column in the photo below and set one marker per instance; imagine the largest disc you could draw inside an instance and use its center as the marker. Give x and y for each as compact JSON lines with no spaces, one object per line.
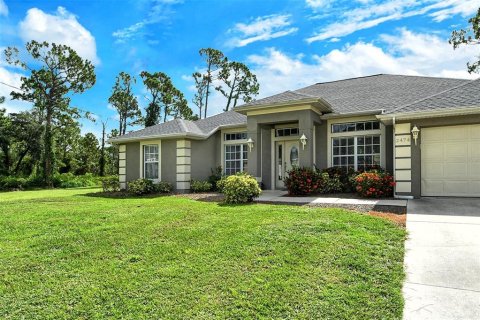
{"x":254,"y":156}
{"x":305,"y":126}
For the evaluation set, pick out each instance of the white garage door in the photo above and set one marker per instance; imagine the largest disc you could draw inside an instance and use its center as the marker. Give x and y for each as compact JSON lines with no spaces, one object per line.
{"x":451,"y":161}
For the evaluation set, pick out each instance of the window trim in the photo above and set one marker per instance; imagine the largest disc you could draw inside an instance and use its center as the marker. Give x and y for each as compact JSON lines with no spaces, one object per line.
{"x":381,"y":132}
{"x":142,"y":162}
{"x":230,"y":142}
{"x":355,"y":154}
{"x":243,"y":149}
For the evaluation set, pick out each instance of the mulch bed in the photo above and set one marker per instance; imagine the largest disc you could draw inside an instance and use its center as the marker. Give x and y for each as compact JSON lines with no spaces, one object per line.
{"x":206,"y":197}
{"x":399,"y":219}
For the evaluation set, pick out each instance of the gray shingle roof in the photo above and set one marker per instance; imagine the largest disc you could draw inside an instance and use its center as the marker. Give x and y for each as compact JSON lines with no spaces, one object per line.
{"x":374,"y":92}
{"x":464,"y":95}
{"x":201,"y":128}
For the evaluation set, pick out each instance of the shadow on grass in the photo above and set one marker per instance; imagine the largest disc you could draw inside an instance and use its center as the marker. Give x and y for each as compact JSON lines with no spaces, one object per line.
{"x":123,"y":195}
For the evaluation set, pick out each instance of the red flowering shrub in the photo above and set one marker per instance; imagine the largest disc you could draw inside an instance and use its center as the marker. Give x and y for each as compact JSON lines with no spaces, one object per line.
{"x":302,"y":181}
{"x":374,"y":184}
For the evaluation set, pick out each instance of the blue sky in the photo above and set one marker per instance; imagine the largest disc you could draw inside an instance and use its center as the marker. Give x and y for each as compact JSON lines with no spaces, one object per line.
{"x":288,"y":44}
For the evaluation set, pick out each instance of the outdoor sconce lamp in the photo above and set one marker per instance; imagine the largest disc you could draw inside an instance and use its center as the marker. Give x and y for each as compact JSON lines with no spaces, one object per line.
{"x":303,"y":141}
{"x":250,"y":144}
{"x":415,"y":132}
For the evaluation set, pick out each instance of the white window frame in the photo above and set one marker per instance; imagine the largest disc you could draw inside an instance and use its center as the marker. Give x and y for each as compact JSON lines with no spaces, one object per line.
{"x":355,"y":154}
{"x":243,"y":150}
{"x":330,"y":136}
{"x":158,"y":143}
{"x":231,"y":142}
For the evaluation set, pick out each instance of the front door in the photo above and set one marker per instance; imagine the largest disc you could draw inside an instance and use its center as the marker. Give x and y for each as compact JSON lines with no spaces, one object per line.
{"x":286,"y":157}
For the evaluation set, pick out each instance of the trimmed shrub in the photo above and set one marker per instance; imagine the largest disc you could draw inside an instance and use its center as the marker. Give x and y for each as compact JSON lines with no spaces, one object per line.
{"x":110,"y":184}
{"x":374,"y":184}
{"x":141,"y":186}
{"x":239,"y":188}
{"x":330,"y":184}
{"x":200,"y":186}
{"x":163,"y":187}
{"x":217,"y":175}
{"x":303,"y":181}
{"x":344,"y":176}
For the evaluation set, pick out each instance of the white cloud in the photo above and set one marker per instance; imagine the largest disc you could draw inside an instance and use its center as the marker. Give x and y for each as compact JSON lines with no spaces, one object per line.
{"x":3,"y":8}
{"x":9,"y":81}
{"x":461,"y":7}
{"x":404,"y":53}
{"x":369,"y":16}
{"x":317,"y":4}
{"x":60,"y":27}
{"x":261,"y":29}
{"x":158,"y":11}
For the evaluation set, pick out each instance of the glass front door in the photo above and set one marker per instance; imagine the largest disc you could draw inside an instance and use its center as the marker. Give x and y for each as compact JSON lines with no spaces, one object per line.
{"x":286,"y":157}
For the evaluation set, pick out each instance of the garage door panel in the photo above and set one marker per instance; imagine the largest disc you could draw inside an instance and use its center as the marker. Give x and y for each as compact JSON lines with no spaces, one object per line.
{"x":432,"y":187}
{"x":456,"y":151}
{"x":456,"y":187}
{"x":434,"y":170}
{"x":456,"y":170}
{"x":433,"y":151}
{"x":451,"y":161}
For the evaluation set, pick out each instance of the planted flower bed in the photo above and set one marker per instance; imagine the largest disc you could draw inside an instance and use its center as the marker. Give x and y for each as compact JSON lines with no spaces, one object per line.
{"x":373,"y":183}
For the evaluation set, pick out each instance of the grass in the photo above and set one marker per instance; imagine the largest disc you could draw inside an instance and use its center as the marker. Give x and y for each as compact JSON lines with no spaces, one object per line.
{"x":65,"y":254}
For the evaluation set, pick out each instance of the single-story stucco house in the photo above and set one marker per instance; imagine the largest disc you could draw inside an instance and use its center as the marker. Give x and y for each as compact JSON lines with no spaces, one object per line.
{"x":424,"y":130}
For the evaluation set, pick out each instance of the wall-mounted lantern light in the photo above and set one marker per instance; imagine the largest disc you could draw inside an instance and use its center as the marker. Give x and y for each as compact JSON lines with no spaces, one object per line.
{"x":415,"y":132}
{"x":303,"y":141}
{"x":250,"y":144}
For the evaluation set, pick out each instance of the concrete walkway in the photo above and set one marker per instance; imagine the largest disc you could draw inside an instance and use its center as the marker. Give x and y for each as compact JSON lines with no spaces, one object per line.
{"x":280,"y":197}
{"x":443,"y":259}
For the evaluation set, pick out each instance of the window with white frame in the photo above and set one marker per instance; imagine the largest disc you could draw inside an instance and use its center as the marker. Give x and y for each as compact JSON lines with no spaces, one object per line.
{"x":150,"y":161}
{"x":235,"y":136}
{"x":236,"y":158}
{"x":355,"y":126}
{"x":358,"y":152}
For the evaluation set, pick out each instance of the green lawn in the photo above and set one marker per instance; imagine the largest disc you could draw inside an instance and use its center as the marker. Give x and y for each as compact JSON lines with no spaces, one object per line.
{"x":66,"y":254}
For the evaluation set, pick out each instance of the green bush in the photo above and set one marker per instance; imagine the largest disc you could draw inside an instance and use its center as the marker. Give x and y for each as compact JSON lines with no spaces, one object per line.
{"x":163,"y":187}
{"x":200,"y":186}
{"x":69,"y":180}
{"x":240,"y":188}
{"x":344,"y":176}
{"x":110,"y":184}
{"x":215,"y":177}
{"x":330,"y":184}
{"x":141,"y":186}
{"x":145,"y":186}
{"x":12,"y":183}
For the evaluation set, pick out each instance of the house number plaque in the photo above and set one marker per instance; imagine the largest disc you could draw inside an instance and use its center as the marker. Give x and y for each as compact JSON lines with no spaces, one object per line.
{"x":402,"y":140}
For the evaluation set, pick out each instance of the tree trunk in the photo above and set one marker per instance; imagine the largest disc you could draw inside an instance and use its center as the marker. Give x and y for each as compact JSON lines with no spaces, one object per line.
{"x":6,"y":159}
{"x":48,"y":151}
{"x":102,"y":152}
{"x":19,"y":161}
{"x":231,"y":94}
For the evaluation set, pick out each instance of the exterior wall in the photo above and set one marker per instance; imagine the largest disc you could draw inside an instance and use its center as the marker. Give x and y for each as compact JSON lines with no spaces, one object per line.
{"x":321,"y":151}
{"x":416,"y":174}
{"x":168,"y":158}
{"x":132,"y":161}
{"x":389,"y":148}
{"x":183,"y":167}
{"x":205,"y":156}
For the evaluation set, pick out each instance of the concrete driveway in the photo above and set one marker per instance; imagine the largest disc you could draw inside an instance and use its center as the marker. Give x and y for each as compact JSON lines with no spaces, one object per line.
{"x":443,"y":259}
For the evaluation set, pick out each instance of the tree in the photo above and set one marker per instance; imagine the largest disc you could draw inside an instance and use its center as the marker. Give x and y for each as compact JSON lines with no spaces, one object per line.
{"x":214,"y":59}
{"x":199,"y":97}
{"x":5,"y":139}
{"x":102,"y":160}
{"x":239,"y":82}
{"x":468,"y":36}
{"x":88,"y":155}
{"x":56,"y":72}
{"x":155,"y":83}
{"x":166,"y":100}
{"x":123,"y":100}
